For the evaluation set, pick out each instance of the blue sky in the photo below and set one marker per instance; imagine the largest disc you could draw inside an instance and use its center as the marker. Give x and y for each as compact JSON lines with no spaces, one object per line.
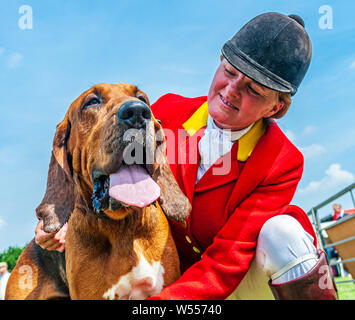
{"x":162,"y":46}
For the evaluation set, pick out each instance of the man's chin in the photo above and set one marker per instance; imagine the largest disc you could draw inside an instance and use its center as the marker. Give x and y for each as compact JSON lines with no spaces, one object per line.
{"x":221,"y":121}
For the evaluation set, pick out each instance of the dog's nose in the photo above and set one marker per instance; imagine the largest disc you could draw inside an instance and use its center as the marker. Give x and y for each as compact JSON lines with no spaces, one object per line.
{"x":134,"y":113}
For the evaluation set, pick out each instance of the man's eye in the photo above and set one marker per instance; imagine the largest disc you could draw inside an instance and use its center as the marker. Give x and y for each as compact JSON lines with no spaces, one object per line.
{"x":229,"y":72}
{"x":92,"y":103}
{"x":253,"y":91}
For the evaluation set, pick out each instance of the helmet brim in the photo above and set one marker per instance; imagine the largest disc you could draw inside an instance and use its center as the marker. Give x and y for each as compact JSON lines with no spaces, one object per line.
{"x":255,"y":71}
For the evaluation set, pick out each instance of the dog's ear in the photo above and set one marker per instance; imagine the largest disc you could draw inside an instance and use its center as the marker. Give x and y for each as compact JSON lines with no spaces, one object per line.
{"x":60,"y":145}
{"x":172,"y":200}
{"x":58,"y":201}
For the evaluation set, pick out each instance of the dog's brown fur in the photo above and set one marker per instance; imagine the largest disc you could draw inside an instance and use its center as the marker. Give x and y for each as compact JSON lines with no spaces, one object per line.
{"x":98,"y":250}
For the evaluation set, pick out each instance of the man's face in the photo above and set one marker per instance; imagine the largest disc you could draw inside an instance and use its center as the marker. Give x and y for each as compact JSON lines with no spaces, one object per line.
{"x":3,"y":270}
{"x":235,"y":101}
{"x":337,"y":209}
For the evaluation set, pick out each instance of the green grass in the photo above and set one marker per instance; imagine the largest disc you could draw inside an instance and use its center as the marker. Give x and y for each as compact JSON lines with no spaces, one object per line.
{"x":346,"y":291}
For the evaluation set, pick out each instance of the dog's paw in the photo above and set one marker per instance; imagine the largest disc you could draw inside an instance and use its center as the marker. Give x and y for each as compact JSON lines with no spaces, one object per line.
{"x":51,"y":221}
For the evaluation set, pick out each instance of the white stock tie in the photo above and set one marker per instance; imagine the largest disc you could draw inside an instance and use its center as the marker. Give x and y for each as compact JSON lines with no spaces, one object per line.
{"x":215,"y":143}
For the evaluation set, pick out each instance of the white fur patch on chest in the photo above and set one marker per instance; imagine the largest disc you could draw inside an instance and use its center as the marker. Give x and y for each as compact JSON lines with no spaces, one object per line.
{"x":144,"y":280}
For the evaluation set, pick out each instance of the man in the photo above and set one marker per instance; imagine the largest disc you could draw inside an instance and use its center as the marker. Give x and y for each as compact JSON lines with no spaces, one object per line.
{"x":4,"y":277}
{"x":339,"y":212}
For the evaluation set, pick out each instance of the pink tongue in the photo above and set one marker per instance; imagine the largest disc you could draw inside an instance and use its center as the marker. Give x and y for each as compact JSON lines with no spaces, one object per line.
{"x":133,"y":185}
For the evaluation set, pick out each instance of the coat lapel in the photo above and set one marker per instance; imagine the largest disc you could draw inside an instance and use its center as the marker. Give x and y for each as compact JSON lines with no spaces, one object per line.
{"x":258,"y":164}
{"x":188,"y":153}
{"x":188,"y":161}
{"x":226,"y":169}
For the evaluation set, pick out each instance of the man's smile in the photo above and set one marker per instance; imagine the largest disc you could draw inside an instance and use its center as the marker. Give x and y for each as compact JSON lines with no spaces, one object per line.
{"x":226,"y":103}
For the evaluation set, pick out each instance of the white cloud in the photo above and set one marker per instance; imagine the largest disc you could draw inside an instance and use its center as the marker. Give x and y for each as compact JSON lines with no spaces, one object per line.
{"x":2,"y":50}
{"x":352,"y":65}
{"x":14,"y":60}
{"x":312,"y":151}
{"x":308,"y":130}
{"x":2,"y":222}
{"x":334,"y":178}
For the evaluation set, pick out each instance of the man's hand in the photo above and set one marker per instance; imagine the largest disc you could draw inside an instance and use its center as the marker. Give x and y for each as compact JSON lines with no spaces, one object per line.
{"x":51,"y":241}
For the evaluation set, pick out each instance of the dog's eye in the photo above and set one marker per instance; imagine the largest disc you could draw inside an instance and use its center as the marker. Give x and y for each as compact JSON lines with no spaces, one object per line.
{"x":142,"y":98}
{"x":92,"y":103}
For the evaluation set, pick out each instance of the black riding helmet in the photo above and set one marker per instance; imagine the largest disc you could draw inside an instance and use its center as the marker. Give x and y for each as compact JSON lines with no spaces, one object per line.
{"x":272,"y":49}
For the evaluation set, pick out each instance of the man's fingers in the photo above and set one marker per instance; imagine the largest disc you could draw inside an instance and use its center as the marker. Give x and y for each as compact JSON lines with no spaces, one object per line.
{"x":50,"y":244}
{"x":60,"y":235}
{"x":53,"y":246}
{"x":42,"y":237}
{"x":51,"y":241}
{"x":61,"y":248}
{"x":46,"y":243}
{"x":40,"y":233}
{"x":39,"y":227}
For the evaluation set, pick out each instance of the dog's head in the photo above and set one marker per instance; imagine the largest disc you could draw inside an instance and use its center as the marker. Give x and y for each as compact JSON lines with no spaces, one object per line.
{"x":110,"y":151}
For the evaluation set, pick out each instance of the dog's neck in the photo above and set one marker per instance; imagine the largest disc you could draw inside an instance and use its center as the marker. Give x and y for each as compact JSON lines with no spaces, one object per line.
{"x":99,"y":228}
{"x":138,"y":223}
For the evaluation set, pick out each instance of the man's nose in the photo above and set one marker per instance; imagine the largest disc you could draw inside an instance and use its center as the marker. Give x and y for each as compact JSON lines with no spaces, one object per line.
{"x":134,"y":114}
{"x":234,"y":86}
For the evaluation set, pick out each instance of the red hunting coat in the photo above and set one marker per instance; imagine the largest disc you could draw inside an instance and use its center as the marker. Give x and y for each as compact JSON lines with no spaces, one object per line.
{"x":217,"y":242}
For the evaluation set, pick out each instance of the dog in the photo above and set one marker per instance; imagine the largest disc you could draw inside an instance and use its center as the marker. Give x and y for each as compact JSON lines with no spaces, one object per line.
{"x":118,"y":242}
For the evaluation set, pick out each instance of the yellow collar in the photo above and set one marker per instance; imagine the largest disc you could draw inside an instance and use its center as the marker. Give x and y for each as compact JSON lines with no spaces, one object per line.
{"x":247,"y":142}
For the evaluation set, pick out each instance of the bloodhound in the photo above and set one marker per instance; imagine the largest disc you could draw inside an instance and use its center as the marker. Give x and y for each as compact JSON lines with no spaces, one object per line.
{"x":108,"y":176}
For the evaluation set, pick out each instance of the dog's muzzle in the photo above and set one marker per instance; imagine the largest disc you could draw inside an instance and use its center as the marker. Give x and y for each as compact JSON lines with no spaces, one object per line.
{"x":134,"y":114}
{"x":129,"y":182}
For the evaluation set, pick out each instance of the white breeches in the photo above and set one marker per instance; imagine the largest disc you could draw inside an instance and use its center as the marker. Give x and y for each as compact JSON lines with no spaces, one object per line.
{"x":284,"y":252}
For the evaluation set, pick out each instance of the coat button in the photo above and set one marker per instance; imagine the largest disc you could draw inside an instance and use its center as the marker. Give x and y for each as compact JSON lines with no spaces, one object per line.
{"x":188,"y":239}
{"x":184,"y":224}
{"x":196,"y":250}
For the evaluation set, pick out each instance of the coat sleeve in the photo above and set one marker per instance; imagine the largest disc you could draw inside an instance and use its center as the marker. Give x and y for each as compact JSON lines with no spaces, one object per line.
{"x":226,"y":261}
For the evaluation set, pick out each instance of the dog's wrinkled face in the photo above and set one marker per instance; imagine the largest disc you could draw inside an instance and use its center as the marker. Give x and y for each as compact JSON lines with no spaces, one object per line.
{"x":112,"y":132}
{"x":111,"y":152}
